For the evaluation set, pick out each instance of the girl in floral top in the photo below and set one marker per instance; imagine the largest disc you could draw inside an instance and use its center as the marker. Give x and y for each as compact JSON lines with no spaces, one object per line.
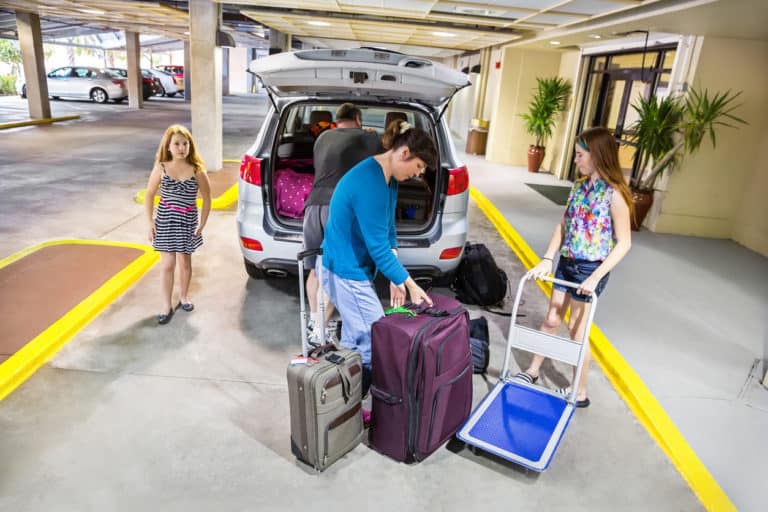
{"x":592,"y":238}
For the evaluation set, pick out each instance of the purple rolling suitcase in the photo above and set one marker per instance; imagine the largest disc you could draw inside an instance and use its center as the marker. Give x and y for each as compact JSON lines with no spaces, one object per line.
{"x":422,"y":379}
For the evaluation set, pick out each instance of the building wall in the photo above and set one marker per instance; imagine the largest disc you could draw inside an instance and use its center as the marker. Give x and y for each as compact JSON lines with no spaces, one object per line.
{"x":560,"y":146}
{"x":507,"y":139}
{"x":717,"y":192}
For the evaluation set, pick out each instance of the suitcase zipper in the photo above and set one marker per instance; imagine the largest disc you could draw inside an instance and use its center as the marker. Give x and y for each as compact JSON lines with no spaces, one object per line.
{"x":437,"y":395}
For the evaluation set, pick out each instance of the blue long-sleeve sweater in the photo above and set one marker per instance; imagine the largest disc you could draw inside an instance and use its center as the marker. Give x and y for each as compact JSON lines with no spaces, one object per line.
{"x":360,"y":232}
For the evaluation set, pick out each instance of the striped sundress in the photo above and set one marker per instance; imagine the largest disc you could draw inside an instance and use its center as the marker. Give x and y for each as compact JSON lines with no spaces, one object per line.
{"x":176,"y":220}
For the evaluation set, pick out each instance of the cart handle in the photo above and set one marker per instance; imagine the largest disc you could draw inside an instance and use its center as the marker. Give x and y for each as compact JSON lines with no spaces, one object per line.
{"x":561,"y":282}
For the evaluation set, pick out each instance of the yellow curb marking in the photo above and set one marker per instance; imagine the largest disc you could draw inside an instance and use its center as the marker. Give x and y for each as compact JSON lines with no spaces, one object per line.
{"x":32,"y":122}
{"x":21,"y":365}
{"x":626,"y":381}
{"x":222,"y":202}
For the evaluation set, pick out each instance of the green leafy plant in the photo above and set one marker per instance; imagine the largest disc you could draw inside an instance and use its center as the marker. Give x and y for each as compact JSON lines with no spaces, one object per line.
{"x":668,"y":128}
{"x":7,"y":85}
{"x":549,"y":100}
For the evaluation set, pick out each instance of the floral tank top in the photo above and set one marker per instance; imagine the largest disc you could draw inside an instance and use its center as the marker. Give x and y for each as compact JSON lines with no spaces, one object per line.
{"x":588,"y":225}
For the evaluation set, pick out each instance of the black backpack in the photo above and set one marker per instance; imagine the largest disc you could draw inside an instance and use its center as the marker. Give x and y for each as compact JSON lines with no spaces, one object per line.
{"x":478,"y":279}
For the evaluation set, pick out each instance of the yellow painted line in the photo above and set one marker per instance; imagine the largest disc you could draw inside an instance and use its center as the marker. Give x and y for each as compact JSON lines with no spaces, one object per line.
{"x":627,"y":383}
{"x":21,"y":365}
{"x":222,"y":202}
{"x":31,"y":122}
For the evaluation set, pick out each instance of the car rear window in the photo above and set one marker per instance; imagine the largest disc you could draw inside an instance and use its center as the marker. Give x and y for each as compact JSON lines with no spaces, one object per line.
{"x":299,"y":118}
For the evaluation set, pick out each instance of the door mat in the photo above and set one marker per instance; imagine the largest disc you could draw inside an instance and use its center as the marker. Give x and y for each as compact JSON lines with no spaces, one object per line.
{"x":555,"y":193}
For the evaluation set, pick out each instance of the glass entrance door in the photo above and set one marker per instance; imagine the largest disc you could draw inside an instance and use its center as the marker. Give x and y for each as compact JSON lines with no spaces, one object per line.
{"x":614,"y":84}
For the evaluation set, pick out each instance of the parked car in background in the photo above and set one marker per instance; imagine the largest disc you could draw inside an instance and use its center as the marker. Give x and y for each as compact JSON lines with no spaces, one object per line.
{"x":149,"y":84}
{"x":431,"y":211}
{"x":167,"y":82}
{"x":100,"y":85}
{"x":177,"y":72}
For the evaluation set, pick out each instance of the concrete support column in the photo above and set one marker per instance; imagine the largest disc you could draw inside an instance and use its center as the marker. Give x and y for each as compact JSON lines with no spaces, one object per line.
{"x":225,"y":71}
{"x":133,"y":51}
{"x":482,"y":84}
{"x":279,"y":41}
{"x":253,"y":84}
{"x":187,"y":73}
{"x":205,"y":79}
{"x":31,"y":43}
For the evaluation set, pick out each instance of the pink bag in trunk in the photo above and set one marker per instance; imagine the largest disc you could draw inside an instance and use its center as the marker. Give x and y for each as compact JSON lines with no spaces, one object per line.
{"x":291,"y":192}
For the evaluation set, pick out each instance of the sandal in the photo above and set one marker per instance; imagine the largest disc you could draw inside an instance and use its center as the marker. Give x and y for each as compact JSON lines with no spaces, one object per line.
{"x":526,"y":377}
{"x":164,"y":319}
{"x":186,"y":307}
{"x":578,"y":403}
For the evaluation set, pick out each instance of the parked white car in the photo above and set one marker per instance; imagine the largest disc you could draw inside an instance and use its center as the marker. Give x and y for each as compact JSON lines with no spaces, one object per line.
{"x":305,"y":88}
{"x":97,"y":84}
{"x":167,"y":82}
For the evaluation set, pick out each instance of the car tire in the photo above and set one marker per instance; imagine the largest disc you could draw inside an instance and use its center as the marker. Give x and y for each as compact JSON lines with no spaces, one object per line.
{"x":99,"y":95}
{"x":24,"y":91}
{"x":254,"y":271}
{"x":171,"y":94}
{"x":161,"y":92}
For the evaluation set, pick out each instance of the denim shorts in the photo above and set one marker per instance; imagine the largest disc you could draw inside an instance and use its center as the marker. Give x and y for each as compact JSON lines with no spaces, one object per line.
{"x":577,"y":271}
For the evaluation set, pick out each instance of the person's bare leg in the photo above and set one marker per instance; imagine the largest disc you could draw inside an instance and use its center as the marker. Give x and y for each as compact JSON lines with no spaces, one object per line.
{"x":185,"y":275}
{"x":167,"y":267}
{"x":313,"y":285}
{"x":576,"y":325}
{"x":558,"y":305}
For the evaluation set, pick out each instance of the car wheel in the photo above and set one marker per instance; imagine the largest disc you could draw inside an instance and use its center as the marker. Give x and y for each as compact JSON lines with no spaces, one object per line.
{"x":171,"y":94}
{"x":161,"y":92}
{"x":55,"y":97}
{"x":99,"y":95}
{"x":24,"y":91}
{"x":254,"y":271}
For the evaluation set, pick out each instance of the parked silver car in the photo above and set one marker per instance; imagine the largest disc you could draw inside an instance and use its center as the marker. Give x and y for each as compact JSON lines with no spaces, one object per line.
{"x":305,"y":89}
{"x":84,"y":82}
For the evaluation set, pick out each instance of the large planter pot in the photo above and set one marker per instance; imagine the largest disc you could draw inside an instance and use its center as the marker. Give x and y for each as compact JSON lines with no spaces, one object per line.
{"x":535,"y":157}
{"x":642,"y":199}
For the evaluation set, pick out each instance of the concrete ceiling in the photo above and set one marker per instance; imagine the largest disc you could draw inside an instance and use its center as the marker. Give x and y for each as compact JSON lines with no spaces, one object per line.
{"x":433,"y":28}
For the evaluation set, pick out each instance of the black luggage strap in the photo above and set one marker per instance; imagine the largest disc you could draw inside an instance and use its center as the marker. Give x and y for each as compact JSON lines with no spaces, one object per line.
{"x":346,"y":381}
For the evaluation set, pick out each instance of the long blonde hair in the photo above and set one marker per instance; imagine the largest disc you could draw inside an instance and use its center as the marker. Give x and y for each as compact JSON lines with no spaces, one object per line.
{"x":604,"y":151}
{"x":164,"y":154}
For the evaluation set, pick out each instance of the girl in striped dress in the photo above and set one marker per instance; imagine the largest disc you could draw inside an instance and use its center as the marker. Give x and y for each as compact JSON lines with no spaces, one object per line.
{"x":176,"y":230}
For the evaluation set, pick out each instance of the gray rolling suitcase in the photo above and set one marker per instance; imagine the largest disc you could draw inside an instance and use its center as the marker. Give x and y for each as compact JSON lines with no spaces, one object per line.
{"x":324,"y":393}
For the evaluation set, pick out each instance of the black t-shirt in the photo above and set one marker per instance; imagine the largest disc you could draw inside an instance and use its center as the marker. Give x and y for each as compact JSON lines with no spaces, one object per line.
{"x":337,"y":151}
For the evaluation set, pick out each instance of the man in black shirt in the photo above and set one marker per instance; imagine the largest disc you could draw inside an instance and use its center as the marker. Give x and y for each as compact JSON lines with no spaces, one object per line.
{"x":336,"y":151}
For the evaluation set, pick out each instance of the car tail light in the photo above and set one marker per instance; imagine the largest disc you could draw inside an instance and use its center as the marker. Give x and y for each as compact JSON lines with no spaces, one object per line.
{"x":117,"y":82}
{"x":450,"y":254}
{"x":250,"y":243}
{"x":250,"y":170}
{"x":458,"y":180}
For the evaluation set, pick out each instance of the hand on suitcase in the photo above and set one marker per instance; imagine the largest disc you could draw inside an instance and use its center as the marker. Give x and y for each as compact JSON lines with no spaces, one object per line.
{"x":396,"y":295}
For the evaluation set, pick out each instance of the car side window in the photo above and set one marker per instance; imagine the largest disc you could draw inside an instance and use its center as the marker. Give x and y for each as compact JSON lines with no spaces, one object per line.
{"x":82,"y":72}
{"x":61,"y":73}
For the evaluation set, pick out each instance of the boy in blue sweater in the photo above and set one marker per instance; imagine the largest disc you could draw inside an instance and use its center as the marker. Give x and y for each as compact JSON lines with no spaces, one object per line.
{"x":360,"y":237}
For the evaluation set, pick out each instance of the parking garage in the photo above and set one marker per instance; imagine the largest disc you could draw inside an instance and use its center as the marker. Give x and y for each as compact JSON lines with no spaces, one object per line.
{"x":680,"y":337}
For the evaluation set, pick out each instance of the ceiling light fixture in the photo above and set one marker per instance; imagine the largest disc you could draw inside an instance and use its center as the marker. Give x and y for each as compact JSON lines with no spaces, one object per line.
{"x":443,"y":34}
{"x":595,"y":36}
{"x":554,"y":43}
{"x":319,"y":23}
{"x":91,"y":11}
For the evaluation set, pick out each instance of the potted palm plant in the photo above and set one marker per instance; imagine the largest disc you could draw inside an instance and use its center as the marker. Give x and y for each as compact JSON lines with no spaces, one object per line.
{"x":668,"y":128}
{"x":549,"y":100}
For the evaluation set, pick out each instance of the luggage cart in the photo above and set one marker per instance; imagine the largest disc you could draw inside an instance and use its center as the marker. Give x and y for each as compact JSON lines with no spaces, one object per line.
{"x":520,"y":422}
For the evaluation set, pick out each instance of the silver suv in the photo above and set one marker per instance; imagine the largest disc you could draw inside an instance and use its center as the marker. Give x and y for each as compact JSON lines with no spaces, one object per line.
{"x":305,"y":89}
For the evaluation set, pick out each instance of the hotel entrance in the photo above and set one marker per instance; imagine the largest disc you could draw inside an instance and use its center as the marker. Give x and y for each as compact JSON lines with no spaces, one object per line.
{"x":614,"y":83}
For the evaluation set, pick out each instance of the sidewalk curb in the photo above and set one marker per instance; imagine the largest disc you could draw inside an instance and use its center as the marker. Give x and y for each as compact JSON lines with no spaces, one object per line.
{"x":32,"y":122}
{"x":626,"y":381}
{"x":21,"y":365}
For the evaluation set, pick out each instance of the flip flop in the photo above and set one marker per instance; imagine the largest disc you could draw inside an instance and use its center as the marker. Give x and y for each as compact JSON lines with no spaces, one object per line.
{"x":578,"y":403}
{"x":526,"y":377}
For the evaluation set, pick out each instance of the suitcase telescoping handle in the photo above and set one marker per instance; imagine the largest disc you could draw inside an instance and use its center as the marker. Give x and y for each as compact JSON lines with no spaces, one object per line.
{"x":320,"y":299}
